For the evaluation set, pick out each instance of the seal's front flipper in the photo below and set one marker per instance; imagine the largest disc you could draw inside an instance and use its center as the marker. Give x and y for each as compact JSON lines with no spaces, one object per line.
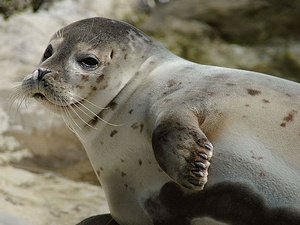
{"x":182,"y":149}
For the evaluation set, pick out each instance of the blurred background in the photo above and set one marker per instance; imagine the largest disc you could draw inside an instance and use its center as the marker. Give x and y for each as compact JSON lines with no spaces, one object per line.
{"x":45,"y":176}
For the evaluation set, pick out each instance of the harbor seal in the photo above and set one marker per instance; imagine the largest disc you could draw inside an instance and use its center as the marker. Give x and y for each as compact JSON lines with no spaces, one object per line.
{"x":154,"y":125}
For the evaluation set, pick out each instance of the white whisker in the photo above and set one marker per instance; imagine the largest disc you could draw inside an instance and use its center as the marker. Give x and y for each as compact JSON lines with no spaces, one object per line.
{"x":69,"y":114}
{"x":95,"y":115}
{"x":16,"y":92}
{"x":66,"y":117}
{"x":74,"y":111}
{"x":78,"y":98}
{"x":94,"y":38}
{"x":85,"y":113}
{"x":88,"y":32}
{"x":16,"y":97}
{"x":71,"y":122}
{"x":59,"y":34}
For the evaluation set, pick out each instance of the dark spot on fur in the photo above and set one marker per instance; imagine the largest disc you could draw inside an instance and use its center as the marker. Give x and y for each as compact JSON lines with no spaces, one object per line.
{"x":230,"y":84}
{"x":123,"y":174}
{"x":122,"y":160}
{"x":85,"y":77}
{"x":140,"y":162}
{"x":126,"y":185}
{"x":173,"y":86}
{"x":125,"y":56}
{"x":253,"y":92}
{"x":94,"y":88}
{"x":141,"y":127}
{"x":137,"y":125}
{"x":266,"y":101}
{"x":130,"y":111}
{"x":262,"y":174}
{"x":113,"y":133}
{"x":94,"y":121}
{"x":112,"y":105}
{"x":101,"y":168}
{"x":247,"y":105}
{"x":289,"y":118}
{"x":100,"y":78}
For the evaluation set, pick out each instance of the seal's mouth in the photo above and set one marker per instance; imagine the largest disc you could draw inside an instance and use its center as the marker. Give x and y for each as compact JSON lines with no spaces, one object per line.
{"x":42,"y":98}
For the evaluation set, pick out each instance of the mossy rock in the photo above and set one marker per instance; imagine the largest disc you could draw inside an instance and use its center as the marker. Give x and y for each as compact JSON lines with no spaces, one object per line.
{"x":10,"y":7}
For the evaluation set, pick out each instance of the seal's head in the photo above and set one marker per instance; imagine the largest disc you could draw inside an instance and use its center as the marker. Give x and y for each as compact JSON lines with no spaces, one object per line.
{"x":88,"y":61}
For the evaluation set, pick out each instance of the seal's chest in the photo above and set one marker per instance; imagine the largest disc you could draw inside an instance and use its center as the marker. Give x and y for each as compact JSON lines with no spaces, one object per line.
{"x":123,"y":150}
{"x":123,"y":160}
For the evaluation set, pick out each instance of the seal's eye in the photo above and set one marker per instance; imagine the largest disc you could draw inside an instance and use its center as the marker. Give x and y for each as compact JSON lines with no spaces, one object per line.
{"x":48,"y":52}
{"x":88,"y":63}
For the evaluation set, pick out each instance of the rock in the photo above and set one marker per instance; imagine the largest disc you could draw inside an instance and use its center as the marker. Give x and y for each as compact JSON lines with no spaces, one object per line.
{"x":46,"y":198}
{"x":259,"y":35}
{"x":8,"y":8}
{"x":240,"y":22}
{"x":7,"y":219}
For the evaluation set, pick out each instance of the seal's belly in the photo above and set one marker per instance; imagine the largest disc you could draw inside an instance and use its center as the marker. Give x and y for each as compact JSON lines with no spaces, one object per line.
{"x":257,"y":143}
{"x":250,"y":162}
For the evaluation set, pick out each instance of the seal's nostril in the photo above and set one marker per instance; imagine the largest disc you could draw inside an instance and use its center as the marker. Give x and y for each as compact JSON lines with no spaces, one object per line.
{"x":42,"y":73}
